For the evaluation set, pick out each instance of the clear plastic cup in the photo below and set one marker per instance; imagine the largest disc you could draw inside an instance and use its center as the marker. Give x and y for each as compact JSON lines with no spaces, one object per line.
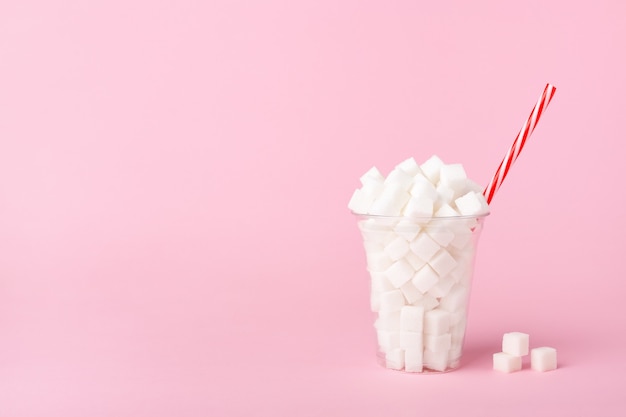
{"x":421,"y":274}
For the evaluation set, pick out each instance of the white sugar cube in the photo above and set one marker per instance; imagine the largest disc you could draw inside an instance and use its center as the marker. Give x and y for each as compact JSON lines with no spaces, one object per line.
{"x":445,"y":210}
{"x":411,"y":294}
{"x":414,"y":260}
{"x":445,"y":194}
{"x":425,"y":278}
{"x":380,"y":283}
{"x":462,"y":237}
{"x":395,"y":359}
{"x":378,"y":261}
{"x":471,"y":204}
{"x":504,"y":362}
{"x":543,"y":359}
{"x":360,"y":202}
{"x":428,"y":302}
{"x":438,"y":343}
{"x":419,"y":207}
{"x":442,"y":262}
{"x":391,"y":201}
{"x":388,"y":320}
{"x":431,"y":168}
{"x":410,"y":340}
{"x":442,"y":287}
{"x":407,"y":229}
{"x":391,"y":301}
{"x":399,"y":273}
{"x":437,"y":361}
{"x":452,"y":176}
{"x":400,"y":178}
{"x":409,"y":166}
{"x":397,"y":248}
{"x":372,"y":175}
{"x":515,"y":343}
{"x":456,"y":299}
{"x":413,"y":359}
{"x":423,"y":188}
{"x":424,"y":246}
{"x":412,"y":319}
{"x":441,"y":234}
{"x":388,"y":340}
{"x":436,"y":322}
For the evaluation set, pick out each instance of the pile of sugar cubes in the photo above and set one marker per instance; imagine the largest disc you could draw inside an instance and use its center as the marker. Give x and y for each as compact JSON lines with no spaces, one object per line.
{"x":515,"y":345}
{"x":420,"y":225}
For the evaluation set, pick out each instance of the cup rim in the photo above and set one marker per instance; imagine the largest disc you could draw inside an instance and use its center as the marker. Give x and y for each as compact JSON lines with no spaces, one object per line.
{"x":421,"y":219}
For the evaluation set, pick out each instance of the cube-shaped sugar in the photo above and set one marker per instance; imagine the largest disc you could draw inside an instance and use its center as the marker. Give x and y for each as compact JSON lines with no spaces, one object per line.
{"x":380,"y":283}
{"x":360,"y":202}
{"x":425,"y":278}
{"x":407,"y":229}
{"x":388,"y":320}
{"x":391,"y":201}
{"x":431,"y":168}
{"x":456,"y":299}
{"x":399,"y":273}
{"x":414,"y":260}
{"x":440,"y":234}
{"x":452,"y":176}
{"x":428,"y":302}
{"x":543,"y":359}
{"x":445,"y":194}
{"x":409,"y":166}
{"x":437,"y":361}
{"x":395,"y":359}
{"x":378,"y":261}
{"x":411,"y":340}
{"x":412,"y":319}
{"x":504,"y":362}
{"x":388,"y":340}
{"x":373,"y":174}
{"x":419,"y":207}
{"x":442,"y":262}
{"x":442,"y":287}
{"x":424,"y":247}
{"x":423,"y":188}
{"x":391,"y":301}
{"x":438,"y":343}
{"x":515,"y":343}
{"x":462,"y":237}
{"x":399,"y":177}
{"x":397,"y":248}
{"x":436,"y":322}
{"x":413,"y":359}
{"x":471,"y":204}
{"x":411,"y":294}
{"x":445,"y":210}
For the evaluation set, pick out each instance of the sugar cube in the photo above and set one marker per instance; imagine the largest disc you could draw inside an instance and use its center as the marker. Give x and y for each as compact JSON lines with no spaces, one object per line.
{"x":413,"y":359}
{"x":543,"y":359}
{"x":397,"y":248}
{"x":436,"y":322}
{"x":515,"y":343}
{"x":399,"y":273}
{"x":424,"y":247}
{"x":505,"y":362}
{"x":412,"y":319}
{"x":391,"y":301}
{"x":395,"y":359}
{"x":425,"y":278}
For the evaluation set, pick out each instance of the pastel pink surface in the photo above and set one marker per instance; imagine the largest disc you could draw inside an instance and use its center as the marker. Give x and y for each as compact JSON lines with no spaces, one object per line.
{"x":174,"y":179}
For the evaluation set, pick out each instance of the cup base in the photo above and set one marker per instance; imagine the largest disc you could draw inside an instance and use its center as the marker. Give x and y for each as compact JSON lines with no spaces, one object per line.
{"x":426,"y":369}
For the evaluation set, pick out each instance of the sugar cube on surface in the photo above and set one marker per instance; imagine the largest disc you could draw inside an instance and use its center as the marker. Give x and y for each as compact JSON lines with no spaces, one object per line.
{"x":515,"y":343}
{"x":504,"y":362}
{"x":425,"y":278}
{"x":391,"y":301}
{"x":442,"y":262}
{"x":412,"y":319}
{"x":399,"y":273}
{"x":424,"y":247}
{"x":397,"y":248}
{"x":436,"y":322}
{"x":413,"y":359}
{"x":395,"y":359}
{"x":437,"y":361}
{"x":543,"y":359}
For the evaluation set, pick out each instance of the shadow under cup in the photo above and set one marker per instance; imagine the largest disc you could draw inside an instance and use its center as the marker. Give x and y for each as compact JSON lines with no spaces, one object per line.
{"x":421,"y":273}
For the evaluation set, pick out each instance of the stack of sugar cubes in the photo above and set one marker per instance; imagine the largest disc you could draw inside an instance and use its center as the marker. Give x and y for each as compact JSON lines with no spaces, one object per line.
{"x":515,"y":345}
{"x":420,"y":225}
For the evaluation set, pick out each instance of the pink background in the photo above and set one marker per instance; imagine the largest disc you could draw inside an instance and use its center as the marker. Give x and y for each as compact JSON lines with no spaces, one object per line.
{"x":174,"y":177}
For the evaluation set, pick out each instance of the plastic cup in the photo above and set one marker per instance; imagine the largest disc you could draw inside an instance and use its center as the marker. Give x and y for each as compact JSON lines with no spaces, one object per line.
{"x":421,"y":274}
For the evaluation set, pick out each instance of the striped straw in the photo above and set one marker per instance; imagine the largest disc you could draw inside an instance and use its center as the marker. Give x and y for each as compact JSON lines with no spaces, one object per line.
{"x":519,"y":142}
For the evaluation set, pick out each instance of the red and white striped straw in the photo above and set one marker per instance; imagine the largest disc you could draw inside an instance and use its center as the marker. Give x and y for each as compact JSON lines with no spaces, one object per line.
{"x":519,"y":142}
